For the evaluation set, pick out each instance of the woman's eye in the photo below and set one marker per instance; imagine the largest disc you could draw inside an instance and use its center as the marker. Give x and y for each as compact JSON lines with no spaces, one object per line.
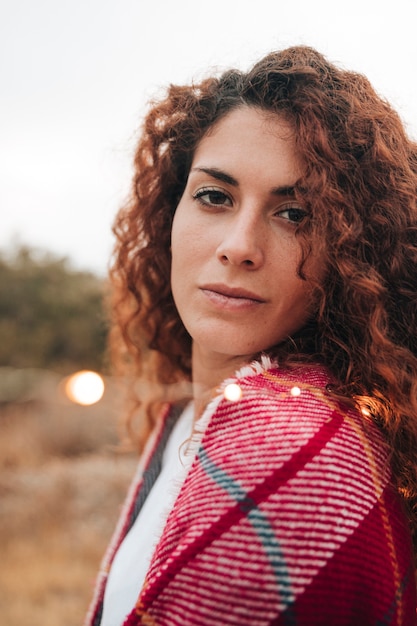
{"x":294,"y":214}
{"x":212,"y":197}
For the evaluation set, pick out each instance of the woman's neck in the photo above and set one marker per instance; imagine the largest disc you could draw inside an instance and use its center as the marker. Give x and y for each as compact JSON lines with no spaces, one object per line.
{"x":208,"y":372}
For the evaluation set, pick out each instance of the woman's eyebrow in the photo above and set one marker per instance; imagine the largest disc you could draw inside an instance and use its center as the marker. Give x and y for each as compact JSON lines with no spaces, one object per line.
{"x":217,"y":174}
{"x":284,"y":190}
{"x":214,"y":172}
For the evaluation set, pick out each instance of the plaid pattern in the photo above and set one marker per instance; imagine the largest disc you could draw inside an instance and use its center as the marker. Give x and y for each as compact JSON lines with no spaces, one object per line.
{"x":287,"y":517}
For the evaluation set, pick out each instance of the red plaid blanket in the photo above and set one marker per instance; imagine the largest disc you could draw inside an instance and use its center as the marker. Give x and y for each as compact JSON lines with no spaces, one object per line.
{"x":287,"y":516}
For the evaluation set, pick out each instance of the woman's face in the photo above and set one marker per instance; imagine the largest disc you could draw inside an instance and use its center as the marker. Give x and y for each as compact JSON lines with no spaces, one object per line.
{"x":234,"y":249}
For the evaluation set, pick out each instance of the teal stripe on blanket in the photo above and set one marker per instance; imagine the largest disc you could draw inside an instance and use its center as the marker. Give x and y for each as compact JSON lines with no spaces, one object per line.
{"x":259,"y":522}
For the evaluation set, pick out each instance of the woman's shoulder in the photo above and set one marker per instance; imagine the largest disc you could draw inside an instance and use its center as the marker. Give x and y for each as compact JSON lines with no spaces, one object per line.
{"x":284,"y":410}
{"x":302,"y":391}
{"x":268,"y":377}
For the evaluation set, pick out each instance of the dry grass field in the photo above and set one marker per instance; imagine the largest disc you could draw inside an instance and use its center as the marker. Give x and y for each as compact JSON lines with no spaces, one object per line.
{"x":62,"y":482}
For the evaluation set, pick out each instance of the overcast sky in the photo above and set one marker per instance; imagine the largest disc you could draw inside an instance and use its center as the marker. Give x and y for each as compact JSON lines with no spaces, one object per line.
{"x":75,"y":77}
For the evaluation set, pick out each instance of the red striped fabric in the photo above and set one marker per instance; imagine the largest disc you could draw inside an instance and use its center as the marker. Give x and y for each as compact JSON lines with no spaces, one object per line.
{"x":287,"y":516}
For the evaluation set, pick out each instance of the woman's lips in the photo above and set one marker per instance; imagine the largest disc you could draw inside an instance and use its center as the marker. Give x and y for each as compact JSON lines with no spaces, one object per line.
{"x":231,"y":297}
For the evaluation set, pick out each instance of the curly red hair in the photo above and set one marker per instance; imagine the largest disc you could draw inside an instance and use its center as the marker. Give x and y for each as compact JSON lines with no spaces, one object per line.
{"x":360,"y":188}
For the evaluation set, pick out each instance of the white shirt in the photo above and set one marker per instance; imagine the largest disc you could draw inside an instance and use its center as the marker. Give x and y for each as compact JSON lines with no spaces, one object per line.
{"x":132,"y":560}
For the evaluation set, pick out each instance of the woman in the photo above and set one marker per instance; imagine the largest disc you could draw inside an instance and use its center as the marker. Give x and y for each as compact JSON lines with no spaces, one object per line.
{"x":268,"y":255}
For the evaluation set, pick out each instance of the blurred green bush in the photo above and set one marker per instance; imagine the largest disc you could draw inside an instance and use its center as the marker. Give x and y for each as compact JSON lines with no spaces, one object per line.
{"x":51,"y":316}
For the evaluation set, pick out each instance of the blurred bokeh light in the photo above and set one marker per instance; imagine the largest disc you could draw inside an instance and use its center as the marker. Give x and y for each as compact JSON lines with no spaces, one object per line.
{"x":84,"y":387}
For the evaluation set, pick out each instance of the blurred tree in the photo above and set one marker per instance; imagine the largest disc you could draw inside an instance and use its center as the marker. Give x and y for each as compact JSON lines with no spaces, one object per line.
{"x":51,"y":316}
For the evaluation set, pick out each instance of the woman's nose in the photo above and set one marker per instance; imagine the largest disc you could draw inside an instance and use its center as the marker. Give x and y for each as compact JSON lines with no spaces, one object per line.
{"x":241,"y":243}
